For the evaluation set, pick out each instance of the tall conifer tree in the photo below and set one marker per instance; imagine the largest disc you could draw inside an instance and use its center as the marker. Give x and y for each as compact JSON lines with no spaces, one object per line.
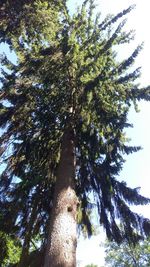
{"x":63,"y":112}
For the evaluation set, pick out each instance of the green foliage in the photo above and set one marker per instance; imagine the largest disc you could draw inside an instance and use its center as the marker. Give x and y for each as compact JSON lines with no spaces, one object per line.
{"x":20,"y":21}
{"x":10,"y":250}
{"x":127,"y":255}
{"x":67,"y":73}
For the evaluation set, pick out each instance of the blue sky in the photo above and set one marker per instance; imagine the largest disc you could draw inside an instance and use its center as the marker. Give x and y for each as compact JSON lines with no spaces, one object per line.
{"x":136,"y":170}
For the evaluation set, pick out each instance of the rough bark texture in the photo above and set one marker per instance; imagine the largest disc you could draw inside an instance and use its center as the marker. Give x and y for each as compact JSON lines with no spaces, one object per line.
{"x":61,"y":247}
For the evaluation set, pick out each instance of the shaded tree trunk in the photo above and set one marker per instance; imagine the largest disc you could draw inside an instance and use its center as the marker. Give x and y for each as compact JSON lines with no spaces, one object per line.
{"x":61,"y":247}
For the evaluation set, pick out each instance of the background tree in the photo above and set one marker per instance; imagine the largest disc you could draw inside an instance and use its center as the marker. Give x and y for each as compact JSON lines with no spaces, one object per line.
{"x":10,"y":250}
{"x":63,"y":112}
{"x":127,"y":255}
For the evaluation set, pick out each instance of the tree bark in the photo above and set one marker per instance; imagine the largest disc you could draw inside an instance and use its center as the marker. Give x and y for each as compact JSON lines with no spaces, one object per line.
{"x":61,"y":246}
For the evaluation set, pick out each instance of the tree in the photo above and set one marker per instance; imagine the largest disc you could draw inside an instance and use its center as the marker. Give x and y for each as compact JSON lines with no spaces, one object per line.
{"x":63,"y":112}
{"x":23,"y":17}
{"x":127,"y":255}
{"x":10,"y":250}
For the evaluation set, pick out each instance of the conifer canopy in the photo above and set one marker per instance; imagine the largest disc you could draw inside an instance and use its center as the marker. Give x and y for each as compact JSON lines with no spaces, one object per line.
{"x":67,"y":73}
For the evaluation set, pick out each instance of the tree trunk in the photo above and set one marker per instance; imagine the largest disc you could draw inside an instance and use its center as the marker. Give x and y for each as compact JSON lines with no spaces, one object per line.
{"x":61,"y":246}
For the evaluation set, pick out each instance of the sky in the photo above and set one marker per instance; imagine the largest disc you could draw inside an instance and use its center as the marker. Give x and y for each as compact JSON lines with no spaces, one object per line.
{"x":136,"y":170}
